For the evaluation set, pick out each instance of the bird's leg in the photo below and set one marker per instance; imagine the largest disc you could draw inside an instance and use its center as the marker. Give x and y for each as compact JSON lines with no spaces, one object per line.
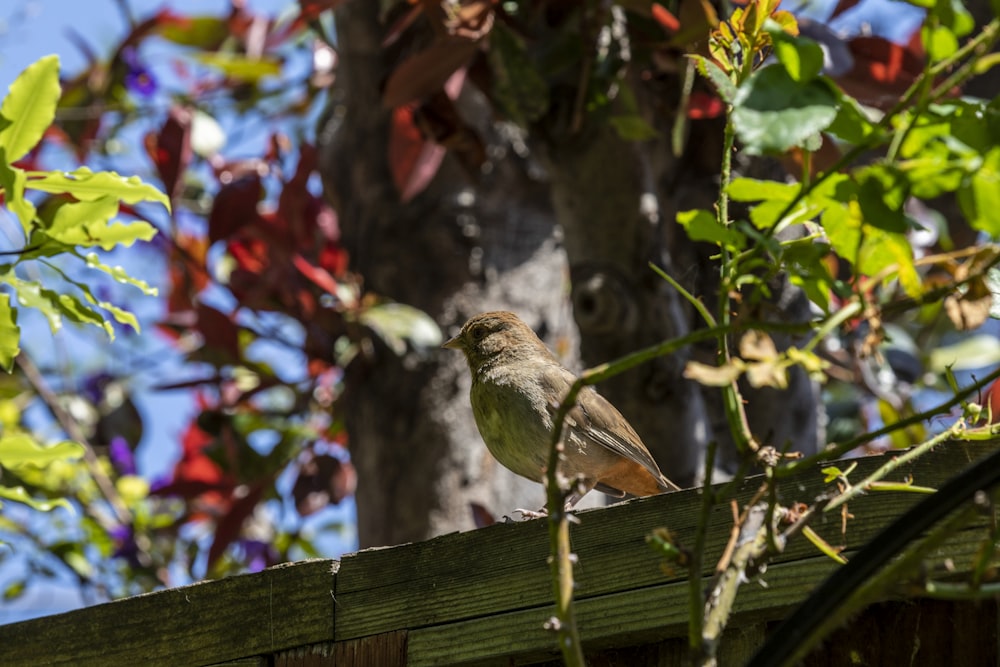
{"x":581,"y":487}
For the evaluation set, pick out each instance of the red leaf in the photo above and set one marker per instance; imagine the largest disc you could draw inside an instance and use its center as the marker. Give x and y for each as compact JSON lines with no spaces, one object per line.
{"x":229,"y":526}
{"x":311,"y":9}
{"x":170,"y":149}
{"x":842,"y":6}
{"x":663,"y":16}
{"x":427,"y":71}
{"x":187,"y":271}
{"x":413,"y":159}
{"x":235,"y":207}
{"x":323,"y":480}
{"x":993,"y":401}
{"x":316,"y":274}
{"x":218,"y":331}
{"x":705,"y":105}
{"x":882,"y":71}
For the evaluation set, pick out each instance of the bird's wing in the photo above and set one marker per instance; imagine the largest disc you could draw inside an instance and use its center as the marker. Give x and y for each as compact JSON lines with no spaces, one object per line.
{"x":594,"y":420}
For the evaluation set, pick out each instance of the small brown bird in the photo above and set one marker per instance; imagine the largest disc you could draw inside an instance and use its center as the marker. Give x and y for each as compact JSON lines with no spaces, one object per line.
{"x":517,"y":385}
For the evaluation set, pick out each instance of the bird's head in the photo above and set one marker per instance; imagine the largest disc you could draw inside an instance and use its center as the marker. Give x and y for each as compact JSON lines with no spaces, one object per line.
{"x":499,"y":335}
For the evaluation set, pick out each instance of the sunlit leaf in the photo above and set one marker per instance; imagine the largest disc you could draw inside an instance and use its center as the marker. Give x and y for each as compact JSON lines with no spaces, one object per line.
{"x":241,"y":67}
{"x":801,"y":56}
{"x":773,"y":113}
{"x":119,"y":274}
{"x":87,"y":185}
{"x":823,"y":545}
{"x":980,"y":197}
{"x":20,"y":449}
{"x":30,"y":107}
{"x":12,"y":182}
{"x":18,"y":494}
{"x":701,"y":225}
{"x":397,"y":323}
{"x":10,"y":334}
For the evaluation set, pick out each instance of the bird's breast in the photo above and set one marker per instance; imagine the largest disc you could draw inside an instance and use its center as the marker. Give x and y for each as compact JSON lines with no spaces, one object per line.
{"x":514,"y":425}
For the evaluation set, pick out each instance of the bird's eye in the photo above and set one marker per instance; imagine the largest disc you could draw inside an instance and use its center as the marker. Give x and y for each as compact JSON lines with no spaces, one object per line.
{"x":478,"y":332}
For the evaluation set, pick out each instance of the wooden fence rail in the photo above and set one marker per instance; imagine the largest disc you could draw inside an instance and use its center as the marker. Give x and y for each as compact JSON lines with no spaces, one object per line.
{"x":482,"y":597}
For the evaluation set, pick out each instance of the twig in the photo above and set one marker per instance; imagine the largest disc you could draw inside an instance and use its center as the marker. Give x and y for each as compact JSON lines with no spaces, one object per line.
{"x":73,"y":430}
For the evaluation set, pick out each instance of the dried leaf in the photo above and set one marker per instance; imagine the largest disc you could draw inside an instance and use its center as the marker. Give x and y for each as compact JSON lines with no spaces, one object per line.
{"x":757,"y":346}
{"x":713,"y":376}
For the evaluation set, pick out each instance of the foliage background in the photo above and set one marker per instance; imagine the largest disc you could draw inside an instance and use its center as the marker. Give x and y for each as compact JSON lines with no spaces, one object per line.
{"x":251,"y":393}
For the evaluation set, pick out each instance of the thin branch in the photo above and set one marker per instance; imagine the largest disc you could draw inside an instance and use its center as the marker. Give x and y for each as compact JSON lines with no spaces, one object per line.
{"x":73,"y":430}
{"x":835,"y":451}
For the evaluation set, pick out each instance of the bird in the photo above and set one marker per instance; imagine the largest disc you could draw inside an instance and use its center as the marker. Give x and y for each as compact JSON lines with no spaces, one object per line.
{"x":517,"y":386}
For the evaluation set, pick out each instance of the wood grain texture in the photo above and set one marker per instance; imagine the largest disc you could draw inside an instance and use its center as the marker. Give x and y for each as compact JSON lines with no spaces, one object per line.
{"x":502,"y":568}
{"x":482,"y":597}
{"x":211,"y":622}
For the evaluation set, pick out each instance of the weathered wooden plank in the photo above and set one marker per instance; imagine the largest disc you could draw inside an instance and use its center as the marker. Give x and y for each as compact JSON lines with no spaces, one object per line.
{"x":211,"y":622}
{"x":637,"y":617}
{"x":503,"y":568}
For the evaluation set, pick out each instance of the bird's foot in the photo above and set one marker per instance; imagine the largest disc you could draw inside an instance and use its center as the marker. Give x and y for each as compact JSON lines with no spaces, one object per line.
{"x":532,"y":514}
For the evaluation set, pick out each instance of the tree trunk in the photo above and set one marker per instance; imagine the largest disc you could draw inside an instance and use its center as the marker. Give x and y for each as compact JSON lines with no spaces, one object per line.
{"x":457,"y":249}
{"x":465,"y":246}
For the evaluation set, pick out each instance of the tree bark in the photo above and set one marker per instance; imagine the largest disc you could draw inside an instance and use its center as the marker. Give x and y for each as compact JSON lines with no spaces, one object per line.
{"x":465,"y":246}
{"x":457,"y":249}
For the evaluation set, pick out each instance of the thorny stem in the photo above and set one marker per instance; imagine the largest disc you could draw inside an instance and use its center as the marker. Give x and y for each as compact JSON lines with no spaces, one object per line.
{"x":838,"y":450}
{"x":696,"y":601}
{"x":895,"y":462}
{"x":560,"y":554}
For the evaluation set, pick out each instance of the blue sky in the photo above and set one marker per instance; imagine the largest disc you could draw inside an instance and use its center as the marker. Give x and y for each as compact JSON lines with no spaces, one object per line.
{"x":30,"y":29}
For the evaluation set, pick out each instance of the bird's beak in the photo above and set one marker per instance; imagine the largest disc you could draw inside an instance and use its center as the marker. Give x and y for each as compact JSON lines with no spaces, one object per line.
{"x":454,"y":343}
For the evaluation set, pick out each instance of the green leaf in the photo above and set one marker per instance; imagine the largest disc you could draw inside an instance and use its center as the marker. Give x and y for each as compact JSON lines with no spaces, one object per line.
{"x":752,"y":189}
{"x":633,"y":128}
{"x":979,"y":197}
{"x":807,"y":269}
{"x":240,"y":67}
{"x":77,"y":311}
{"x":939,"y":41}
{"x":701,"y":225}
{"x":121,"y":315}
{"x":86,"y":223}
{"x":12,"y":182}
{"x":21,"y":449}
{"x":202,"y":32}
{"x":18,"y":494}
{"x":852,"y":123}
{"x":87,"y":185}
{"x":31,"y":295}
{"x":119,"y":274}
{"x":10,"y":334}
{"x":519,"y":88}
{"x":72,"y":219}
{"x":801,"y":56}
{"x":397,"y":323}
{"x":30,"y":107}
{"x":14,"y":590}
{"x":773,"y":113}
{"x":723,"y":84}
